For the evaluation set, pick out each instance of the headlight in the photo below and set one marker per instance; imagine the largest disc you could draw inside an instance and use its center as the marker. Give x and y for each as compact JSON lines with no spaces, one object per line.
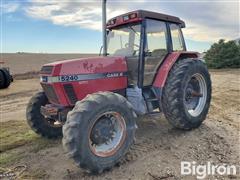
{"x":43,"y":79}
{"x":49,"y":79}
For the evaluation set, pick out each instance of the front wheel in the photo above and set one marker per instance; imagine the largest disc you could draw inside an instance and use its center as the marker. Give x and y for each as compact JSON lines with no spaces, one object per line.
{"x":99,"y":131}
{"x":43,"y":126}
{"x":187,"y":94}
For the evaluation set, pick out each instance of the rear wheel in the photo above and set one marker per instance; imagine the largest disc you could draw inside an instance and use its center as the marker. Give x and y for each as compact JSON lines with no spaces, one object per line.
{"x":99,"y":131}
{"x":187,"y":94}
{"x":7,"y":78}
{"x":44,"y":126}
{"x":2,"y":79}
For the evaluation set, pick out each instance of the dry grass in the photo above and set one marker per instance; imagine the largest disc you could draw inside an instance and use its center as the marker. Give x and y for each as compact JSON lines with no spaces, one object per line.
{"x":9,"y":158}
{"x":36,"y":174}
{"x":15,"y":134}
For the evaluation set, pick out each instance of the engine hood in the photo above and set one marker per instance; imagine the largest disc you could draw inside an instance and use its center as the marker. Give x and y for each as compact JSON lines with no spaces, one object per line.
{"x":93,"y":65}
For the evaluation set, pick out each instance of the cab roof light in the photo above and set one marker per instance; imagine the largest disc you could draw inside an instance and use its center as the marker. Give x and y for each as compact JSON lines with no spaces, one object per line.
{"x":129,"y":16}
{"x":111,"y":22}
{"x":125,"y":18}
{"x":133,"y":16}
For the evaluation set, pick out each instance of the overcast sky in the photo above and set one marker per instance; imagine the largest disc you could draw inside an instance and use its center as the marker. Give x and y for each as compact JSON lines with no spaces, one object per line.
{"x":70,"y":26}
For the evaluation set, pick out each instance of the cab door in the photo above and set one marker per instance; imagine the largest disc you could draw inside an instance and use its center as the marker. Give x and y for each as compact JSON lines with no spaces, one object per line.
{"x":155,"y":48}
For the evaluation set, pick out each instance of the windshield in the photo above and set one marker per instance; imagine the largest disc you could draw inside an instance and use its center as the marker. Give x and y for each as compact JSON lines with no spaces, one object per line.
{"x":124,"y":41}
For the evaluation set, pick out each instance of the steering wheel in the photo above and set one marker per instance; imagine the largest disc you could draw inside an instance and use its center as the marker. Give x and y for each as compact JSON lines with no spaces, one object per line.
{"x":127,"y":45}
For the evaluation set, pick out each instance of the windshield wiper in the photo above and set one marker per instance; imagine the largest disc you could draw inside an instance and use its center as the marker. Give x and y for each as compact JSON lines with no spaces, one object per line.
{"x":130,"y":27}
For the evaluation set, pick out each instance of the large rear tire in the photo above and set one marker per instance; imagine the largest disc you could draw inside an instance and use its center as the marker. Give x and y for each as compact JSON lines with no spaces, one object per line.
{"x":99,"y":131}
{"x":2,"y":79}
{"x":7,"y":77}
{"x":41,"y":125}
{"x":187,"y":94}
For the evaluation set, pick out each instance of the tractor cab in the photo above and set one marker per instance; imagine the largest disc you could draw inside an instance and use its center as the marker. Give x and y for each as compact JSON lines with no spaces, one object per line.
{"x":144,"y":38}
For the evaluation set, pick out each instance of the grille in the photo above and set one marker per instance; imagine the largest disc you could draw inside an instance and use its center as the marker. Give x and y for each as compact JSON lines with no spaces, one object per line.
{"x":46,"y":70}
{"x":50,"y":93}
{"x":70,"y":93}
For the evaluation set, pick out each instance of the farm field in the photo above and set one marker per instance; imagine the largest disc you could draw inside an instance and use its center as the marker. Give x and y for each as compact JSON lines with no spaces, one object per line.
{"x":23,"y":64}
{"x":157,"y":152}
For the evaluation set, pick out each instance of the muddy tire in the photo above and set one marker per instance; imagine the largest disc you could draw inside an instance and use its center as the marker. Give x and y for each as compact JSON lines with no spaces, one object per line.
{"x":7,"y":77}
{"x":187,"y":94}
{"x":2,"y":80}
{"x":37,"y":121}
{"x":87,"y":132}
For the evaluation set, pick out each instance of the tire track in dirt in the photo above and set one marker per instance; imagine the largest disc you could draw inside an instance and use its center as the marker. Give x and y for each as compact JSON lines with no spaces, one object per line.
{"x":152,"y":138}
{"x":11,"y":104}
{"x":17,"y":95}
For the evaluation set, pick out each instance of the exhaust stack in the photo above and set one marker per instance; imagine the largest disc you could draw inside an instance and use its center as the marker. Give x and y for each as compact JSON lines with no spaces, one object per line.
{"x":104,"y":20}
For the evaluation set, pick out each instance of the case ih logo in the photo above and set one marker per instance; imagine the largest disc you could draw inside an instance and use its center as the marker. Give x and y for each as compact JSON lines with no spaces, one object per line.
{"x":114,"y":74}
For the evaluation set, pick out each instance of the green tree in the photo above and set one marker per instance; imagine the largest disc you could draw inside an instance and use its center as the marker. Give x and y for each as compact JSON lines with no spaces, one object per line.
{"x":223,"y":55}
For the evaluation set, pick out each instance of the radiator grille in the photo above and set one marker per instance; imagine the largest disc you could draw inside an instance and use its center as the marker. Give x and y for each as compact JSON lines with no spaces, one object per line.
{"x":70,"y":93}
{"x":46,"y":70}
{"x":50,"y":93}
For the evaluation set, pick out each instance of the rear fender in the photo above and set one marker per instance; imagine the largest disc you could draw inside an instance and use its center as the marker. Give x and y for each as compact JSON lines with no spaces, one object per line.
{"x":165,"y":68}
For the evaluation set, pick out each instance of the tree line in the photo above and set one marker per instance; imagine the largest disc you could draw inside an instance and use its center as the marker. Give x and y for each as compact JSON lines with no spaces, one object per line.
{"x":223,"y":55}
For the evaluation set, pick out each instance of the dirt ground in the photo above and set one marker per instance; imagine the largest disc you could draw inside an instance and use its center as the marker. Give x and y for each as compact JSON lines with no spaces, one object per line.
{"x":157,"y":153}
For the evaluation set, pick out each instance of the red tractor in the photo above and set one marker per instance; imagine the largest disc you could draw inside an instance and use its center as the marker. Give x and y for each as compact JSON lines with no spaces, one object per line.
{"x":94,"y":102}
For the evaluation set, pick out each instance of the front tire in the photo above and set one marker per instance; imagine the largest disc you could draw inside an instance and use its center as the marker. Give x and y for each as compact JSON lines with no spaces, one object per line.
{"x":38,"y":123}
{"x":187,"y":94}
{"x":99,"y":131}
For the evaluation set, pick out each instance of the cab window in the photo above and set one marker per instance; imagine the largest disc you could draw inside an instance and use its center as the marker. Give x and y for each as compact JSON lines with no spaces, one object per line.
{"x":124,"y":41}
{"x":155,"y":48}
{"x":177,"y":39}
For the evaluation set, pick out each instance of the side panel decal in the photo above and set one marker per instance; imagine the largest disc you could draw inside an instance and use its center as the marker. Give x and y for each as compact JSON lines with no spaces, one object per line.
{"x":81,"y":77}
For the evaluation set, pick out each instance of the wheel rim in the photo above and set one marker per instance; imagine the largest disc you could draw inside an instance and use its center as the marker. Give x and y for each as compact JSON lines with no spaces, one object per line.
{"x":195,"y":95}
{"x":107,"y":134}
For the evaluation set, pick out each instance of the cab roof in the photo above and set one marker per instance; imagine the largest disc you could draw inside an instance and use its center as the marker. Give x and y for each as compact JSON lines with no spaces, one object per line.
{"x":142,"y":14}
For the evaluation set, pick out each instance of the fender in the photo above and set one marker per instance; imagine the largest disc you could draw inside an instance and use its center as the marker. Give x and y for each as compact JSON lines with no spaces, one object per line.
{"x":169,"y":61}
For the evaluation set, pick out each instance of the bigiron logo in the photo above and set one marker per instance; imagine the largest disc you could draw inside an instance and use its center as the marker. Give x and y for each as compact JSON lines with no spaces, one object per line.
{"x":209,"y":169}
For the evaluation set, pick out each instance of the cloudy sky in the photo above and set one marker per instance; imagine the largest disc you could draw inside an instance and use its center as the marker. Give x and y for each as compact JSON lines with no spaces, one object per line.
{"x":74,"y":26}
